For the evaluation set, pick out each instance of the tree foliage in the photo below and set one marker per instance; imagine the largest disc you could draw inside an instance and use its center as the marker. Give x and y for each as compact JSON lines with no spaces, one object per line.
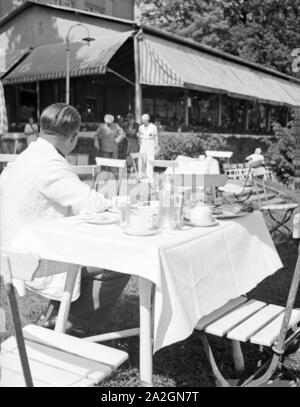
{"x":281,"y":154}
{"x":262,"y":31}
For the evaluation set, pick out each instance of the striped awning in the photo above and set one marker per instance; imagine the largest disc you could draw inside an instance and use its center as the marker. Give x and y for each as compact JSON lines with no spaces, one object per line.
{"x":49,"y":61}
{"x":11,"y":58}
{"x":3,"y":114}
{"x":169,"y":63}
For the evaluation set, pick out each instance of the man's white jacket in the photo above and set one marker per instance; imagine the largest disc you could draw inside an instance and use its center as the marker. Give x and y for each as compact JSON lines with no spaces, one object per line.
{"x":39,"y":185}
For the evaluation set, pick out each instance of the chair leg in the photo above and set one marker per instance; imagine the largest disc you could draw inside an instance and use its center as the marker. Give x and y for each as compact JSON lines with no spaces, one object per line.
{"x":65,"y":303}
{"x":209,"y":353}
{"x":9,"y":288}
{"x":46,"y":317}
{"x":238,"y":357}
{"x":146,"y":347}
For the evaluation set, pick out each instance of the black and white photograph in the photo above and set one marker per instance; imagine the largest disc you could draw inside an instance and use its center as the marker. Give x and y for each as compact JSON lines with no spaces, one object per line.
{"x":149,"y":197}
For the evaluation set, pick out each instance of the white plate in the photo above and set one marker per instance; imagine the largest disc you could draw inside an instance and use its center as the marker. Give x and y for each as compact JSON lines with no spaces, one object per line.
{"x":114,"y":210}
{"x":207,"y":225}
{"x":132,"y":232}
{"x":228,"y":215}
{"x":104,"y":219}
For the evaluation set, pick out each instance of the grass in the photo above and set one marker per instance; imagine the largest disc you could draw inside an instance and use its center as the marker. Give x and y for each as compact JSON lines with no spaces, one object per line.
{"x":184,"y":363}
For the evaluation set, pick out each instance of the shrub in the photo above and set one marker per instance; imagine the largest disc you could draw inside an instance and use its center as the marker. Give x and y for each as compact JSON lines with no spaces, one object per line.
{"x":188,"y":144}
{"x":281,"y":154}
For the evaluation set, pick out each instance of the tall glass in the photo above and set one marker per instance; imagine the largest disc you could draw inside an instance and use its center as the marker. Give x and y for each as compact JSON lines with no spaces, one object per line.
{"x":177,"y":211}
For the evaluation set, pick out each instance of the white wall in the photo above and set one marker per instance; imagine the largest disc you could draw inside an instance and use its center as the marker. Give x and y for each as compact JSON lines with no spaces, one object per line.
{"x":38,"y":26}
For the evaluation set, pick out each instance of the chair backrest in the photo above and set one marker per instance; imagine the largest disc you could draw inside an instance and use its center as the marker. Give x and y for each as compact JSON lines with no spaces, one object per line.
{"x":164,"y":163}
{"x":111,"y":162}
{"x":88,"y":170}
{"x":238,"y":174}
{"x":7,"y":158}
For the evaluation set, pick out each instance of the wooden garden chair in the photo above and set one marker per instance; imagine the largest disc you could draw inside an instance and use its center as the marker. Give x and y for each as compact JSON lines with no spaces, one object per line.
{"x":279,"y":209}
{"x":243,"y":183}
{"x":269,"y":326}
{"x":37,"y":356}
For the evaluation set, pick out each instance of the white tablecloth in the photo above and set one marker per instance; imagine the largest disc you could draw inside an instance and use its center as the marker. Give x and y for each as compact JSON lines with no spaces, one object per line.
{"x":195,"y":271}
{"x":187,"y":165}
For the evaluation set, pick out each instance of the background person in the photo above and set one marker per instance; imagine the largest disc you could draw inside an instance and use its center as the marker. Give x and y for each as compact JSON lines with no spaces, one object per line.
{"x":108,"y":135}
{"x":148,"y":136}
{"x":256,"y":161}
{"x":31,"y":130}
{"x":256,"y":157}
{"x":131,"y":131}
{"x":48,"y":188}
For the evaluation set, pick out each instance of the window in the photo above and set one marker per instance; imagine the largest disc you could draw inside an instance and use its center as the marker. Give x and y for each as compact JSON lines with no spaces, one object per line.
{"x":69,"y":3}
{"x":93,"y":9}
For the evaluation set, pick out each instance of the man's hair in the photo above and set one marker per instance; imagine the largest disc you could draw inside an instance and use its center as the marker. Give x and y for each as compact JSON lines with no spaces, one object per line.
{"x":109,"y":118}
{"x":60,"y":119}
{"x":146,"y":116}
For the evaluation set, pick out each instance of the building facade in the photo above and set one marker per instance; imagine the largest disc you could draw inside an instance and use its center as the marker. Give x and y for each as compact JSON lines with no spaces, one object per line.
{"x":116,"y":8}
{"x":183,"y":85}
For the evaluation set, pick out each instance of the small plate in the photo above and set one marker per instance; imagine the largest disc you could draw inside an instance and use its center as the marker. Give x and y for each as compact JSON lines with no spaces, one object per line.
{"x":148,"y":232}
{"x":114,"y":210}
{"x":100,"y":220}
{"x":214,"y":223}
{"x":228,"y":215}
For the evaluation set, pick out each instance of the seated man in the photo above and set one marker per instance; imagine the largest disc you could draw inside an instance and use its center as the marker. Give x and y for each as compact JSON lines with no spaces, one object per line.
{"x":40,"y":185}
{"x":256,"y":159}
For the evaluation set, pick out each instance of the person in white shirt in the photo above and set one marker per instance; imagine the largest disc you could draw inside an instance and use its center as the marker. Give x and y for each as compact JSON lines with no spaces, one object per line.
{"x":148,"y":137}
{"x":256,"y":156}
{"x":40,"y":185}
{"x":256,"y":162}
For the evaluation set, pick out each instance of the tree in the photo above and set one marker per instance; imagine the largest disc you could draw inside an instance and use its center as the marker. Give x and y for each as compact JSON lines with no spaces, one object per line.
{"x":281,"y":153}
{"x":201,"y":20}
{"x":262,"y":31}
